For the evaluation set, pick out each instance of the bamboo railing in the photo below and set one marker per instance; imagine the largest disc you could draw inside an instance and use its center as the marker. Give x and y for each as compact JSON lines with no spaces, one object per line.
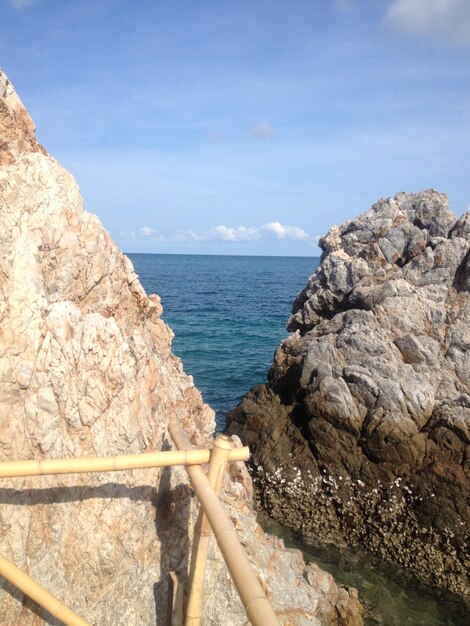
{"x":15,"y":469}
{"x":28,"y":586}
{"x":202,"y":531}
{"x":257,"y":606}
{"x":211,"y":518}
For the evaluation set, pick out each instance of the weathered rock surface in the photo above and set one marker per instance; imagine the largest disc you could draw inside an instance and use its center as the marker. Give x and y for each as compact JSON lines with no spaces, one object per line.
{"x":363,"y":433}
{"x":86,"y":369}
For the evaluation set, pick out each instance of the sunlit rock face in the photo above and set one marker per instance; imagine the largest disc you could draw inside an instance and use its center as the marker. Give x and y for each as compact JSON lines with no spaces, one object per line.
{"x":86,"y":369}
{"x":363,"y":433}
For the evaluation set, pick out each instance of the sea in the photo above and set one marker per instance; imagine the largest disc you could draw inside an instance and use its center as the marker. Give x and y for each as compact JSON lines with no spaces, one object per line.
{"x":228,"y":314}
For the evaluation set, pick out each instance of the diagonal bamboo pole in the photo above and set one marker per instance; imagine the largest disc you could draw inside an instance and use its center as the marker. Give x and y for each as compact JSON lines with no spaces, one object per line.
{"x":258,"y":609}
{"x":41,"y":467}
{"x":202,"y":532}
{"x":40,"y":595}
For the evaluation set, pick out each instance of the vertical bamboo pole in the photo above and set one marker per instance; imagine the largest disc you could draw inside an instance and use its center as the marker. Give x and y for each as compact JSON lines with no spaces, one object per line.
{"x":202,"y":532}
{"x":258,"y":609}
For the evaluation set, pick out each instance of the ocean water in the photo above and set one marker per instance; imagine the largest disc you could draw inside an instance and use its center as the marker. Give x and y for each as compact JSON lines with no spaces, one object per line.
{"x":228,"y":314}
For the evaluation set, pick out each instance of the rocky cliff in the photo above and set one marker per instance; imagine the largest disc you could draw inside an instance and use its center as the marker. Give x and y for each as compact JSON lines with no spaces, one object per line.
{"x":363,"y":433}
{"x":86,"y":369}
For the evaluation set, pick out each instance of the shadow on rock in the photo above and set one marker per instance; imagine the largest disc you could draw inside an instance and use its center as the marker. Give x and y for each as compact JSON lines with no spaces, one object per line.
{"x":173,"y":510}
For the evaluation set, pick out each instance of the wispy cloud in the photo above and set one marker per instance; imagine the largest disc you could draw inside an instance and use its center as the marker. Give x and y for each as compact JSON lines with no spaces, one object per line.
{"x":240,"y":233}
{"x":282,"y":231}
{"x":448,"y":20}
{"x":21,"y":4}
{"x":147,"y":231}
{"x":216,"y":136}
{"x":128,"y":235}
{"x":221,"y":232}
{"x":262,"y":130}
{"x":182,"y":236}
{"x":344,"y":5}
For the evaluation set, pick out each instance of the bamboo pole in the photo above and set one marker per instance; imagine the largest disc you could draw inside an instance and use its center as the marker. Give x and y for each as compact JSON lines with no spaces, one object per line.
{"x":202,"y":532}
{"x":258,"y":609}
{"x":41,"y":596}
{"x":175,"y":601}
{"x":42,"y":467}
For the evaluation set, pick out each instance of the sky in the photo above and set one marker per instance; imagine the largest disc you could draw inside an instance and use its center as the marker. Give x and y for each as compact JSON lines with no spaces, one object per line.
{"x":244,"y":127}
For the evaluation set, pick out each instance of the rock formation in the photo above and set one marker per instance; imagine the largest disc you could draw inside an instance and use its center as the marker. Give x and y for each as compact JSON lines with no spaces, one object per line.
{"x":362,"y":434}
{"x":86,"y":369}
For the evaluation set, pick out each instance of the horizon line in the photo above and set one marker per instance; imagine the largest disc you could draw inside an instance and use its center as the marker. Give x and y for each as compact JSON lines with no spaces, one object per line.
{"x":273,"y":256}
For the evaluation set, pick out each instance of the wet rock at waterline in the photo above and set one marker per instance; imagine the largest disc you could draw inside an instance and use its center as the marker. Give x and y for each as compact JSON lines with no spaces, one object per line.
{"x":362,"y":434}
{"x":86,"y":369}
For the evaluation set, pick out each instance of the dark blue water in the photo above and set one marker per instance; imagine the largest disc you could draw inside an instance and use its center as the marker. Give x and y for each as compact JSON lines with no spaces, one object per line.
{"x":228,"y":314}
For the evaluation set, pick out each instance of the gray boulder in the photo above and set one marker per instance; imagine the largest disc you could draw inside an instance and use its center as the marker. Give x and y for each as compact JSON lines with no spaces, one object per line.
{"x":362,"y":434}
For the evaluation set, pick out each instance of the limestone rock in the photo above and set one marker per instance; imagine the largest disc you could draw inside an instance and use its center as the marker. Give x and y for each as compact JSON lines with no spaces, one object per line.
{"x":86,"y":369}
{"x":363,"y":433}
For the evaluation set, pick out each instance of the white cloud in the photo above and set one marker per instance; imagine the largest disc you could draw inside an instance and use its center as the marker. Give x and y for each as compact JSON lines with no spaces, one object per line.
{"x":282,"y":231}
{"x":185,"y":235}
{"x":128,"y":235}
{"x":147,"y":231}
{"x":21,"y":4}
{"x":221,"y":232}
{"x":241,"y":233}
{"x":448,"y":20}
{"x":262,"y":130}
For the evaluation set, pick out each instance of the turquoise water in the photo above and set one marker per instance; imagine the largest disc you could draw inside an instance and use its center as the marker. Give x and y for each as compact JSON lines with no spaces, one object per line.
{"x":389,"y":595}
{"x":228,"y":314}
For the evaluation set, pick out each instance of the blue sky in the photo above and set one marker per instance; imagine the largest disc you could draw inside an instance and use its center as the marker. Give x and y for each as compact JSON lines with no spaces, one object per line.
{"x":244,"y":127}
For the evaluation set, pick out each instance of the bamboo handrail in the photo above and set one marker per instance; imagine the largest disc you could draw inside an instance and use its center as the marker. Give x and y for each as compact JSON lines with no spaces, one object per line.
{"x":257,"y":606}
{"x":202,"y":532}
{"x":42,"y":467}
{"x":40,"y":595}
